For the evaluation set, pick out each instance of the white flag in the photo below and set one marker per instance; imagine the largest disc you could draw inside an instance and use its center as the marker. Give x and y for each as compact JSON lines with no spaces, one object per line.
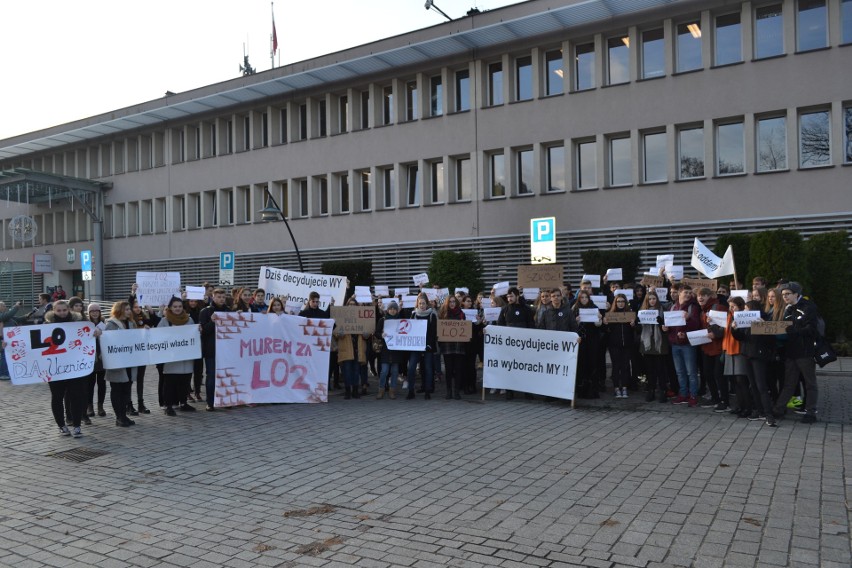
{"x":710,"y":265}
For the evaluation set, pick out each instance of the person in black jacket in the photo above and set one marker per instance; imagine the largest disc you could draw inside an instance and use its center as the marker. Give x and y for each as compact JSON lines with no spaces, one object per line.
{"x":208,"y":342}
{"x":516,"y":314}
{"x":802,"y":317}
{"x":313,"y":310}
{"x":620,"y":340}
{"x":758,"y":350}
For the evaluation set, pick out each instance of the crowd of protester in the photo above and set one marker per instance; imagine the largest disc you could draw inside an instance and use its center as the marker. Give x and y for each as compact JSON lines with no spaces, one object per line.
{"x":754,"y":377}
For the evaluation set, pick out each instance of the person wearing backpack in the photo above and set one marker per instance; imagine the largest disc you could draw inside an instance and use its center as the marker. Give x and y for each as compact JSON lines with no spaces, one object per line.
{"x":802,"y":318}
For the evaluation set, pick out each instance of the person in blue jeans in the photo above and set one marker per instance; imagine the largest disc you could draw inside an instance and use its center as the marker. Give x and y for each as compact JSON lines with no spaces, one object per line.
{"x":685,"y":356}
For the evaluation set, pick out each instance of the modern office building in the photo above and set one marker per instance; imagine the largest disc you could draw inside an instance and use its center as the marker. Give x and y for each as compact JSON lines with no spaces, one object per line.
{"x":636,"y":123}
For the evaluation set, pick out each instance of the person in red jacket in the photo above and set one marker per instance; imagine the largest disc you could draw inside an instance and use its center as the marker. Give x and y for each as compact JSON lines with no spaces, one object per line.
{"x":684,"y":354}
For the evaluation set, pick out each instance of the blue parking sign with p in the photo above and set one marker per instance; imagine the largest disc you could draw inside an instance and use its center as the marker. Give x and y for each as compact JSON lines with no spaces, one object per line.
{"x":226,"y":261}
{"x":544,"y":230}
{"x":85,"y":260}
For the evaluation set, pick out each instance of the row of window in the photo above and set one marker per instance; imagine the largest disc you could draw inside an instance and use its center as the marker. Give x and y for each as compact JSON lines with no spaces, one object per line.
{"x":545,"y":75}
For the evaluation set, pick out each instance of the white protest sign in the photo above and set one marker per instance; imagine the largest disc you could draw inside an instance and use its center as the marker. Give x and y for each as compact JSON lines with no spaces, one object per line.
{"x":491,"y":314}
{"x":386,"y":302}
{"x":297,"y":285}
{"x":674,"y":272}
{"x":485,"y":303}
{"x":157,"y":288}
{"x":674,"y":319}
{"x":293,"y":307}
{"x":589,"y":315}
{"x":662,"y":261}
{"x":362,"y":291}
{"x":420,"y":279}
{"x":138,"y":347}
{"x":195,"y":292}
{"x":382,"y":291}
{"x":626,"y":292}
{"x":430,"y":293}
{"x":662,"y":294}
{"x":614,"y":275}
{"x":265,"y":358}
{"x":530,"y":360}
{"x":49,"y":352}
{"x":409,"y":301}
{"x":462,"y":290}
{"x":740,"y":294}
{"x":698,"y":337}
{"x":405,"y":334}
{"x":501,"y":288}
{"x":531,"y":293}
{"x":470,"y":314}
{"x":649,"y":317}
{"x":400,"y":292}
{"x":599,"y":301}
{"x":364,"y":299}
{"x":443,"y":293}
{"x":595,"y":279}
{"x":746,"y":318}
{"x":717,"y":317}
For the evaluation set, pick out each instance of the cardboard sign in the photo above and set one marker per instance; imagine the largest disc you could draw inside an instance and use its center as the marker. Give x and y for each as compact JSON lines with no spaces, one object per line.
{"x":620,"y":317}
{"x":769,"y":327}
{"x":354,"y":319}
{"x":652,"y":281}
{"x":696,"y":283}
{"x":459,"y":331}
{"x":541,"y":275}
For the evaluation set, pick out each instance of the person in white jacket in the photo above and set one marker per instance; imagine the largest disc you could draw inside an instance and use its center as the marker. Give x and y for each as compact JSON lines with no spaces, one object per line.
{"x":176,"y":375}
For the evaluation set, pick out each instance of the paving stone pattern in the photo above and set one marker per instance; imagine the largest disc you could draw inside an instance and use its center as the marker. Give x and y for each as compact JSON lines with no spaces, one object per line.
{"x":420,"y":483}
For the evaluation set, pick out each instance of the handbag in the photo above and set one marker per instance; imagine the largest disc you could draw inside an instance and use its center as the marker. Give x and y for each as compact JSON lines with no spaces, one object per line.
{"x":823,"y":352}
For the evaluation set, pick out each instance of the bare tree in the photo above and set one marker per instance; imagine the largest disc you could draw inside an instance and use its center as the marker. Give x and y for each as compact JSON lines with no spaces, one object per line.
{"x":772,"y":149}
{"x":815,"y":146}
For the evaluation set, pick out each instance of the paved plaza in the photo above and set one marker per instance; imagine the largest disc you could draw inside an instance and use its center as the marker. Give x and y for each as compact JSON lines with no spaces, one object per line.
{"x":426,"y":483}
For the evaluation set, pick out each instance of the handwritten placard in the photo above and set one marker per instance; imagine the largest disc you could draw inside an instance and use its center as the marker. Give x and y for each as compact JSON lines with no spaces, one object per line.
{"x":195,"y":292}
{"x":501,"y":288}
{"x":626,"y":292}
{"x":470,"y":315}
{"x":746,"y":318}
{"x":769,"y":327}
{"x":459,"y":331}
{"x":620,"y":317}
{"x":409,"y":301}
{"x":589,"y":315}
{"x":400,"y":292}
{"x":674,"y":271}
{"x":740,"y":294}
{"x":652,"y":281}
{"x":674,"y":319}
{"x":354,"y":319}
{"x":698,"y":337}
{"x":717,"y":317}
{"x":531,"y":293}
{"x":696,"y":283}
{"x":541,"y":275}
{"x":491,"y":314}
{"x":381,"y":291}
{"x":649,"y":317}
{"x":594,"y":279}
{"x":662,"y":294}
{"x":599,"y":301}
{"x":420,"y":279}
{"x":461,"y":290}
{"x":614,"y":275}
{"x":157,"y":288}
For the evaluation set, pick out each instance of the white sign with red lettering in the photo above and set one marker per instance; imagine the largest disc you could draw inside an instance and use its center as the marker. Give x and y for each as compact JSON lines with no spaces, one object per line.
{"x":49,"y":352}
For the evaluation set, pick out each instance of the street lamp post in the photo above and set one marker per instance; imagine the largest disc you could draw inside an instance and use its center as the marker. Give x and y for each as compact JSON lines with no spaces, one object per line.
{"x":271,"y":212}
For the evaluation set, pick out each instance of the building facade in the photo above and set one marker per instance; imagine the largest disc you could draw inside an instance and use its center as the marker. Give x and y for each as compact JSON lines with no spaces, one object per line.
{"x":635,"y":124}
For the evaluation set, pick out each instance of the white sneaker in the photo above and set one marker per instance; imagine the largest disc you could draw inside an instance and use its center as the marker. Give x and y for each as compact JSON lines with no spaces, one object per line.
{"x":76,"y":433}
{"x":64,"y":431}
{"x":404,"y":385}
{"x":624,"y":392}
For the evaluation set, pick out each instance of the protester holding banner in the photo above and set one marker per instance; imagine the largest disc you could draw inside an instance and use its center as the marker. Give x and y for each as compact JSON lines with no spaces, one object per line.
{"x":685,"y":355}
{"x":70,"y":392}
{"x":757,"y":351}
{"x":7,"y":317}
{"x":654,"y":347}
{"x":93,"y":314}
{"x":424,"y":358}
{"x":258,"y":304}
{"x":143,"y":318}
{"x":193,"y":308}
{"x":587,"y":367}
{"x":312,"y":310}
{"x":453,"y":351}
{"x":735,"y":364}
{"x":389,"y":360}
{"x":208,"y":342}
{"x":276,"y":306}
{"x":121,"y":317}
{"x":242,"y":300}
{"x":620,"y":340}
{"x":351,"y":354}
{"x":711,"y":353}
{"x":473,"y":347}
{"x":176,"y":375}
{"x":516,"y":314}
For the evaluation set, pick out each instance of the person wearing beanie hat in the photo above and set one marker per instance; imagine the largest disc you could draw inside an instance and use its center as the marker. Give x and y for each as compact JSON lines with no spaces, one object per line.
{"x":389,"y":361}
{"x":93,"y":307}
{"x":802,"y":318}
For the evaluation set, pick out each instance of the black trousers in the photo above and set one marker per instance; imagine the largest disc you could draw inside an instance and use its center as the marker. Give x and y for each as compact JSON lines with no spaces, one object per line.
{"x":174,"y":388}
{"x":757,"y":373}
{"x":454,"y":372}
{"x":655,"y":372}
{"x":620,"y":357}
{"x":711,"y":374}
{"x":96,"y":378}
{"x":119,"y":396}
{"x":75,"y":389}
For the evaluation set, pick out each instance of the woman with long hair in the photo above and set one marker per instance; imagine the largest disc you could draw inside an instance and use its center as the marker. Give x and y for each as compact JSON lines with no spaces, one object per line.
{"x":587,"y":368}
{"x":69,"y":393}
{"x":93,"y":315}
{"x":757,"y":351}
{"x":177,"y":374}
{"x":654,"y":347}
{"x":121,"y":317}
{"x":619,"y":340}
{"x":453,"y":351}
{"x":735,"y":364}
{"x":143,"y":318}
{"x":389,"y":360}
{"x":424,"y":358}
{"x":242,"y":300}
{"x":471,"y":347}
{"x":351,"y":354}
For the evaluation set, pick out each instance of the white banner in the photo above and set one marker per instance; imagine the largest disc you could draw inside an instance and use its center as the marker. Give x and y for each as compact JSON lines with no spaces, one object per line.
{"x":710,"y":265}
{"x":405,"y":334}
{"x":530,"y":360}
{"x":266,"y":358}
{"x":157,"y":288}
{"x":297,"y":285}
{"x":49,"y":352}
{"x":137,"y":347}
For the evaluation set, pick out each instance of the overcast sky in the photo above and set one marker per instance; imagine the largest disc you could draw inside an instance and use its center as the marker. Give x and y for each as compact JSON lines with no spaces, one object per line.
{"x":65,"y":60}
